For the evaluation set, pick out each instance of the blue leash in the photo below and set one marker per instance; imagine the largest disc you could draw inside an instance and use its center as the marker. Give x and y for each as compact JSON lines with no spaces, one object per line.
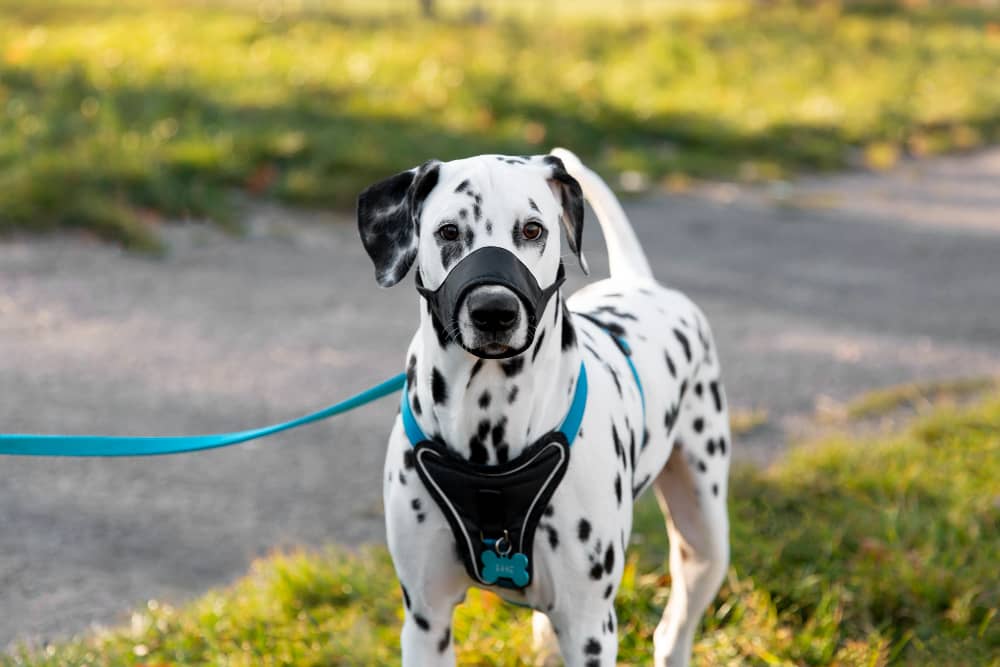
{"x":102,"y":445}
{"x":17,"y":444}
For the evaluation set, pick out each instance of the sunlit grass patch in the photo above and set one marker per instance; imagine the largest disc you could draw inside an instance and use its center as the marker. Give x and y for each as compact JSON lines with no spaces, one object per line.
{"x":110,"y":110}
{"x":852,"y":552}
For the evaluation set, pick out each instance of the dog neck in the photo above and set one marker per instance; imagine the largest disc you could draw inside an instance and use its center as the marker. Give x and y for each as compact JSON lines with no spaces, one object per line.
{"x":489,"y":411}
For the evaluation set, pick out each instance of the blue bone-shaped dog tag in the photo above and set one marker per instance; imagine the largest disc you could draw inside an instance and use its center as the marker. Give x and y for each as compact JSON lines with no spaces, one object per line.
{"x":514,"y":567}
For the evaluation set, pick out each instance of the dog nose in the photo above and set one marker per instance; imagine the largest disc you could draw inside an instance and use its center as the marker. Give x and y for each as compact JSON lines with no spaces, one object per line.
{"x":493,"y":311}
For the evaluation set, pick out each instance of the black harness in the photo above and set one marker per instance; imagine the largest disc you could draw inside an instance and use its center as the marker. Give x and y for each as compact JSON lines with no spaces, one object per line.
{"x":494,"y":510}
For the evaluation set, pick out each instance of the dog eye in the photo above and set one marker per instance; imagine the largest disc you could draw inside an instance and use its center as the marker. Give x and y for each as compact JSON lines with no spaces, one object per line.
{"x":448,"y":232}
{"x":531,"y":231}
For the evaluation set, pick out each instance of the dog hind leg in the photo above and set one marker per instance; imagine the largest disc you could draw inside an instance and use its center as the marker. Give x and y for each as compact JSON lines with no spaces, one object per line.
{"x":692,"y":489}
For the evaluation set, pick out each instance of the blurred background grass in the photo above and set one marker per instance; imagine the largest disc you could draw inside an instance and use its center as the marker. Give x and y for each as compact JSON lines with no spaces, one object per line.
{"x":116,"y":114}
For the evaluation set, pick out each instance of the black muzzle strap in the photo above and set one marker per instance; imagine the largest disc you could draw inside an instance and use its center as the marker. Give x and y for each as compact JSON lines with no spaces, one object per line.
{"x":489,"y":266}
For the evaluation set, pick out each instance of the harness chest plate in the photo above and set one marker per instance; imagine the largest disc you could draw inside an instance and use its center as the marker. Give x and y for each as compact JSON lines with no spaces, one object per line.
{"x":494,"y":511}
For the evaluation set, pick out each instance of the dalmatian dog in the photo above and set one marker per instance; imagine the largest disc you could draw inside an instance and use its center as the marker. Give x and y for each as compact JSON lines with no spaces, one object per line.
{"x":664,"y":426}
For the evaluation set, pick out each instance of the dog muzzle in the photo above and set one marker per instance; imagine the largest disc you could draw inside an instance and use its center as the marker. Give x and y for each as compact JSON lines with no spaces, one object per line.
{"x":494,"y":267}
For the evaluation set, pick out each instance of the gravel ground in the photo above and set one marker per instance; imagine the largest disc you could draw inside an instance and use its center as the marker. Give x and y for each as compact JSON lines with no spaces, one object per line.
{"x":816,"y":291}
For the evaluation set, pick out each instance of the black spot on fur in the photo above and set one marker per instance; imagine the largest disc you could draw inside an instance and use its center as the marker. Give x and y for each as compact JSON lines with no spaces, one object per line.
{"x":420,"y":517}
{"x":631,"y":451}
{"x":670,"y":418}
{"x":489,"y":226}
{"x":568,"y":332}
{"x":477,"y":450}
{"x":476,"y":367}
{"x":614,"y":376}
{"x":415,"y":503}
{"x":699,"y":423}
{"x":512,"y":396}
{"x":533,"y":205}
{"x":462,"y":186}
{"x":503,"y":453}
{"x":406,"y":596}
{"x":468,"y":237}
{"x":439,"y":388}
{"x":513,"y":366}
{"x":638,"y":488}
{"x":609,"y":559}
{"x":583,"y":530}
{"x":698,"y":390}
{"x":549,"y":510}
{"x":477,"y":212}
{"x":702,"y":467}
{"x":685,"y":343}
{"x":592,"y":647}
{"x":538,"y":346}
{"x":710,"y":446}
{"x":445,"y":640}
{"x":607,"y":591}
{"x":619,"y":449}
{"x":614,"y":312}
{"x":722,"y":446}
{"x":484,"y":400}
{"x":613,"y":328}
{"x":716,"y":395}
{"x":715,"y":489}
{"x":421,"y":622}
{"x":596,"y":571}
{"x":670,"y":365}
{"x":497,"y":432}
{"x":553,"y":537}
{"x":618,"y":488}
{"x":402,"y":478}
{"x":411,"y":373}
{"x":416,"y":405}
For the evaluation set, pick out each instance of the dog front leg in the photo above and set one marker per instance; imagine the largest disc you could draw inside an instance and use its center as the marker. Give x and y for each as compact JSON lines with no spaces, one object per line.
{"x":587,"y":640}
{"x":426,"y":638}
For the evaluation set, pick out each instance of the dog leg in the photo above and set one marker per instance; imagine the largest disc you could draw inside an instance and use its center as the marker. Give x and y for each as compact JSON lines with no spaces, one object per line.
{"x":588,"y":640}
{"x":692,"y":494}
{"x":426,"y":638}
{"x":545,"y":643}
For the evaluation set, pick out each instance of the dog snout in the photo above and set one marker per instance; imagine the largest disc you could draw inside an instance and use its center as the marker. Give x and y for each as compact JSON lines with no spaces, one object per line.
{"x":493,"y":309}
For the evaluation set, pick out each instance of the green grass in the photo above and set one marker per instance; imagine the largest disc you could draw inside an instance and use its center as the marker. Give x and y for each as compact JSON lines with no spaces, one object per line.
{"x":116,"y":114}
{"x":916,"y":395}
{"x":851,"y":552}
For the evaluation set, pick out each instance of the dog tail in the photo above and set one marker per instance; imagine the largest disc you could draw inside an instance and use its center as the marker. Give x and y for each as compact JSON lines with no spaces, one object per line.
{"x":625,"y":254}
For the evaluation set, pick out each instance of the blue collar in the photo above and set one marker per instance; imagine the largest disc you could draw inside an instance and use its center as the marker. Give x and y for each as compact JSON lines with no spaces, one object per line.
{"x":569,"y":428}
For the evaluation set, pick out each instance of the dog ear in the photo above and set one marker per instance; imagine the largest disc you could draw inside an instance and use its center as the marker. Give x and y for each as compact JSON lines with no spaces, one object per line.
{"x":568,"y":192}
{"x":389,"y":220}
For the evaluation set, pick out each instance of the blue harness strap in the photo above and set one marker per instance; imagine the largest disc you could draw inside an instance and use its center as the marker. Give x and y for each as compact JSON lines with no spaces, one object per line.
{"x":99,"y":445}
{"x":569,"y":428}
{"x":627,"y":351}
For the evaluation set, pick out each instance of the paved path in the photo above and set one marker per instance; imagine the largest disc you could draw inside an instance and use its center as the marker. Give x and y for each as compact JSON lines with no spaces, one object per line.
{"x":830,"y":288}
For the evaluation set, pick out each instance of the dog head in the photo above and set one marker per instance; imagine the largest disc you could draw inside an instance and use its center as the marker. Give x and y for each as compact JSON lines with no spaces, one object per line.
{"x":441,"y":213}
